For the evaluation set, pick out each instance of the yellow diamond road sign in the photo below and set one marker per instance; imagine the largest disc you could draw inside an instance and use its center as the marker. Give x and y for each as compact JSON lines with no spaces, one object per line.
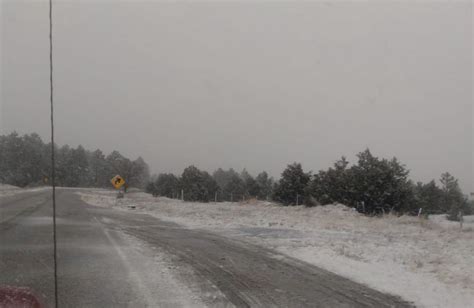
{"x":117,"y":181}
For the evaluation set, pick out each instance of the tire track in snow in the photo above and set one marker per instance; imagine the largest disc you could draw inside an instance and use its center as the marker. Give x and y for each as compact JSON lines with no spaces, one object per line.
{"x":140,"y":286}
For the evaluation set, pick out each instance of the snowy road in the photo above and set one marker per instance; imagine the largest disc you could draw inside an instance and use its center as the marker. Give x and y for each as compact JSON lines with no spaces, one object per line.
{"x":110,"y":258}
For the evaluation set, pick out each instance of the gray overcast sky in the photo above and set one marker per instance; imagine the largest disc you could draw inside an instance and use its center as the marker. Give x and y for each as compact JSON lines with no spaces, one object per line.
{"x":248,"y":83}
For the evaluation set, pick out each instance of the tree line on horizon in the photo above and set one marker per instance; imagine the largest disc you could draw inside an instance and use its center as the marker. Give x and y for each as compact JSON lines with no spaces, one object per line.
{"x":222,"y":185}
{"x":26,"y":161}
{"x":372,"y":186}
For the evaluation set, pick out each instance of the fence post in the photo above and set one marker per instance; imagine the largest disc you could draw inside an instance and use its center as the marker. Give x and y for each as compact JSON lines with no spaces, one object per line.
{"x":215,"y":197}
{"x":182,"y":194}
{"x":297,"y":199}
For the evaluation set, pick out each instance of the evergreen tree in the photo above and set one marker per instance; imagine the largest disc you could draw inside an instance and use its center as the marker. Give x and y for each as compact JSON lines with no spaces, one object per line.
{"x":223,"y":177}
{"x":333,"y":185}
{"x":210,"y":184}
{"x":265,"y":185}
{"x":380,"y":185}
{"x":167,"y":185}
{"x":79,"y":168}
{"x":234,"y":189}
{"x":98,"y":169}
{"x":197,"y":185}
{"x":291,"y":187}
{"x":453,"y":200}
{"x":428,"y":197}
{"x":251,"y":186}
{"x":140,"y":173}
{"x":22,"y":159}
{"x":26,"y":160}
{"x":63,"y":166}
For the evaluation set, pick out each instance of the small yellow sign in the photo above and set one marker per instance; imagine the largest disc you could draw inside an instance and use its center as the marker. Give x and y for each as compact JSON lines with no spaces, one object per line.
{"x":117,"y":181}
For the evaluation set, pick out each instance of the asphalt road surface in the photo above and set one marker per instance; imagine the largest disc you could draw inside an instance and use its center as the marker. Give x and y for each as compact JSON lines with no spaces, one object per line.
{"x":109,"y":258}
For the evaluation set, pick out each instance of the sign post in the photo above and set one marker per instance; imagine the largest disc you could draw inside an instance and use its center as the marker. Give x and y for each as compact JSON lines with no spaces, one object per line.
{"x":117,"y":181}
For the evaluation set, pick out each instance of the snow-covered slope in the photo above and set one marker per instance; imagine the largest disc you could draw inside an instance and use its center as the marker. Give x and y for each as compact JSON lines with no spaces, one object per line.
{"x":429,"y":262}
{"x":9,"y":190}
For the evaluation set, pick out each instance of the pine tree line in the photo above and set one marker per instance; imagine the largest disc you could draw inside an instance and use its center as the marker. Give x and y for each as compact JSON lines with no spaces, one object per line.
{"x":377,"y":186}
{"x":372,"y":186}
{"x":26,"y":161}
{"x":222,"y":185}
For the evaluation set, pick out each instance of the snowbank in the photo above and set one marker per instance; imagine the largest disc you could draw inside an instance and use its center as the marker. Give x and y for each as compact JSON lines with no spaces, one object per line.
{"x":9,"y":190}
{"x":429,"y":262}
{"x":5,"y":187}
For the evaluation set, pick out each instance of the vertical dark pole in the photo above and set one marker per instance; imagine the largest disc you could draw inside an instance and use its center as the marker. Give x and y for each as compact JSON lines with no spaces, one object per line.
{"x":53,"y":167}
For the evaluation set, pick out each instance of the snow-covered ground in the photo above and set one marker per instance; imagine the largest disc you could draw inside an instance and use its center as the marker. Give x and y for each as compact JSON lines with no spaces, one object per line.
{"x":429,"y":262}
{"x":9,"y":190}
